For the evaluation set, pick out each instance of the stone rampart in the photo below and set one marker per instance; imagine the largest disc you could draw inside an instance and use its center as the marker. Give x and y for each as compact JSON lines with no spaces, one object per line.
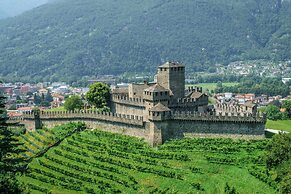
{"x":187,"y":102}
{"x":219,"y":117}
{"x":188,"y":124}
{"x":126,"y":100}
{"x":176,"y":125}
{"x":229,"y":108}
{"x":89,"y":115}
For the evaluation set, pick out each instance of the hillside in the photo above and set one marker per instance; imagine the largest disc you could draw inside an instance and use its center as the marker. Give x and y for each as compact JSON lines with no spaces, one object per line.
{"x":67,"y":39}
{"x":95,"y":161}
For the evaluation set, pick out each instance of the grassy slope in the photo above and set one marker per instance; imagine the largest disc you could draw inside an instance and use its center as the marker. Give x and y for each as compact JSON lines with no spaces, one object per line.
{"x":88,"y":145}
{"x":279,"y":125}
{"x":212,"y":86}
{"x":61,"y":108}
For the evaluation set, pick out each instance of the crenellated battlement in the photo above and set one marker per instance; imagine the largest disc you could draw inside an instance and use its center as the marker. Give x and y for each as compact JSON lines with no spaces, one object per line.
{"x":127,"y":100}
{"x":235,"y":108}
{"x":219,"y":117}
{"x":194,"y":89}
{"x":87,"y":114}
{"x":188,"y":102}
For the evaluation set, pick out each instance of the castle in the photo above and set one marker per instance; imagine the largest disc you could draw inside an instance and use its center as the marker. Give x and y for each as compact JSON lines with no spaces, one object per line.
{"x":163,"y":110}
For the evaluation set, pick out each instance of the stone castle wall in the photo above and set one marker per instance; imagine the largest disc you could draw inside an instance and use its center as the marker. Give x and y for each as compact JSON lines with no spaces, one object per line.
{"x":177,"y":125}
{"x":234,"y":108}
{"x":127,"y":100}
{"x":93,"y":115}
{"x":126,"y":105}
{"x":187,"y":124}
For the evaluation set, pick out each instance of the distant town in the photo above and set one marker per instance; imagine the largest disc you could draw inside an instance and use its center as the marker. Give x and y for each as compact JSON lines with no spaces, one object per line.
{"x":24,"y":97}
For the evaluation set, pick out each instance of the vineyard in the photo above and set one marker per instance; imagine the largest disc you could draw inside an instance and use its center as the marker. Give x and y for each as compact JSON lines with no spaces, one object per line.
{"x":36,"y":143}
{"x":100,"y":162}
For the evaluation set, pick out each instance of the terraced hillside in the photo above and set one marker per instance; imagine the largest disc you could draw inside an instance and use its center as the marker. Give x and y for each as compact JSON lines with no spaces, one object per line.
{"x":38,"y":142}
{"x":100,"y":162}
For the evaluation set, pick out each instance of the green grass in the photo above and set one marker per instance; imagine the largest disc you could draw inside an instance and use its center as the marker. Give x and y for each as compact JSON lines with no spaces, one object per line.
{"x":95,"y":161}
{"x":284,"y":125}
{"x":61,"y":108}
{"x":212,"y":86}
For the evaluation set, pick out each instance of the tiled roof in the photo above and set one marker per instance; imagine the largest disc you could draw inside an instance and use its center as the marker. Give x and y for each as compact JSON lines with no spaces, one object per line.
{"x":160,"y":108}
{"x":196,"y":94}
{"x":156,"y":88}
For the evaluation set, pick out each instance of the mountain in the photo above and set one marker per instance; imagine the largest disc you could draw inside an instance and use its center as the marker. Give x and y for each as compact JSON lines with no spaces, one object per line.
{"x":69,"y":39}
{"x":10,"y":8}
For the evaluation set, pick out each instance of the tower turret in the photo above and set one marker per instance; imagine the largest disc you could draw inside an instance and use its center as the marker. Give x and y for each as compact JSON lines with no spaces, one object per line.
{"x":172,"y":76}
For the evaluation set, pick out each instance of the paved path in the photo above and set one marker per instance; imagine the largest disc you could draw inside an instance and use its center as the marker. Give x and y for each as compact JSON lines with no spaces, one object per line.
{"x":275,"y":131}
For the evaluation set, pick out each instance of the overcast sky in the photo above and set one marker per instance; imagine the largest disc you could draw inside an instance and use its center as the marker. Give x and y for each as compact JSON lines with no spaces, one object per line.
{"x":15,"y":7}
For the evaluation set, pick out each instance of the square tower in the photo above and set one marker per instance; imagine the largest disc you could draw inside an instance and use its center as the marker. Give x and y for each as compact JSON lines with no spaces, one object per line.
{"x":172,"y":76}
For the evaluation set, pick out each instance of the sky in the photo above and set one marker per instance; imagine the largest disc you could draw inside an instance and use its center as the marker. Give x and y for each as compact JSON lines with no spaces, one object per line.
{"x":10,"y":8}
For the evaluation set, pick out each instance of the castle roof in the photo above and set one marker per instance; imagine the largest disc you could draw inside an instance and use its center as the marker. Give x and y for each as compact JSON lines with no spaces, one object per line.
{"x":156,"y":88}
{"x":172,"y":64}
{"x":196,"y":94}
{"x":123,"y":90}
{"x":160,"y":108}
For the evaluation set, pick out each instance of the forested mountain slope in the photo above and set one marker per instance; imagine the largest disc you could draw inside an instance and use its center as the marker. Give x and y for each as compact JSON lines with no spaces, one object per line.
{"x":68,"y":39}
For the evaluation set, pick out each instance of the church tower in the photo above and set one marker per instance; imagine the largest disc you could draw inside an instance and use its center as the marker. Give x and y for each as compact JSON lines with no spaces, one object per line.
{"x":172,"y":76}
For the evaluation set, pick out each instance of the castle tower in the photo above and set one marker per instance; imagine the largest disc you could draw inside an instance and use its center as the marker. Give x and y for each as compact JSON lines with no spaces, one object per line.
{"x":154,"y":95}
{"x":172,"y":76}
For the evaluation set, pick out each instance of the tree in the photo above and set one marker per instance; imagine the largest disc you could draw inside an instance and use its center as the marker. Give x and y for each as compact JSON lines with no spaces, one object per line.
{"x":36,"y":99}
{"x":11,"y":162}
{"x":278,"y":160}
{"x":287,"y":104}
{"x":273,"y":112}
{"x":98,"y":95}
{"x":49,"y":97}
{"x":73,"y":102}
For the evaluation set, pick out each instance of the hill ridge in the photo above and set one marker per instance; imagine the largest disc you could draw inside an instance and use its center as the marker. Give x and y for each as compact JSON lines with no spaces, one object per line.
{"x":67,"y":40}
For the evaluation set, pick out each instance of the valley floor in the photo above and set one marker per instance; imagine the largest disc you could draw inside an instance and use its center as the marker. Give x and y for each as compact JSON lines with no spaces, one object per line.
{"x":284,"y":125}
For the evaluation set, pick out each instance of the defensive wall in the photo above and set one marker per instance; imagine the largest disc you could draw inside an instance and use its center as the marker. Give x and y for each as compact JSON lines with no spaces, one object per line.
{"x":136,"y":106}
{"x":124,"y":104}
{"x":160,"y":127}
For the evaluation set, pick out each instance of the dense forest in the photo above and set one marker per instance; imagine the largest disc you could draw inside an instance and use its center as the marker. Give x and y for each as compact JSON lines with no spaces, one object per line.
{"x":257,"y":85}
{"x":66,"y":40}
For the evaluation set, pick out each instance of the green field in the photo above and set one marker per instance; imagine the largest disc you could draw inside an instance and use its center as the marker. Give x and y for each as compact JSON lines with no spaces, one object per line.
{"x":61,"y":108}
{"x":212,"y":86}
{"x":284,"y":125}
{"x":96,"y":161}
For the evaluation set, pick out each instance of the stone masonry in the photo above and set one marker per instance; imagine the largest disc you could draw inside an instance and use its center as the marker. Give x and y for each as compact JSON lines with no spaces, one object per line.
{"x":162,"y":110}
